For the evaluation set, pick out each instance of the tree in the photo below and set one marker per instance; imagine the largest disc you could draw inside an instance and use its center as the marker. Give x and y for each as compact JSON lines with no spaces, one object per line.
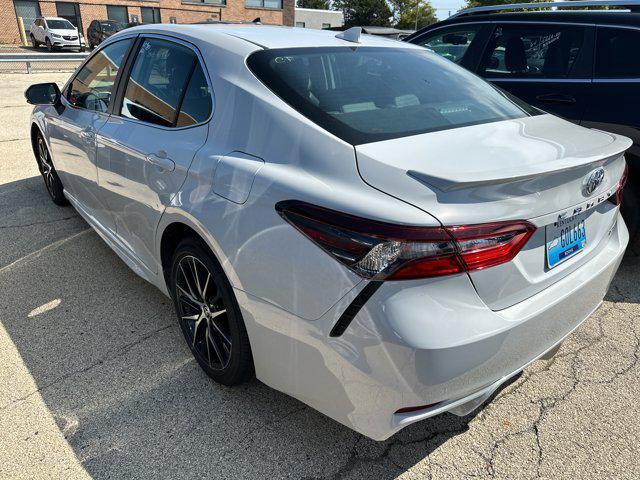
{"x":404,"y":13}
{"x":317,"y":4}
{"x":358,"y":13}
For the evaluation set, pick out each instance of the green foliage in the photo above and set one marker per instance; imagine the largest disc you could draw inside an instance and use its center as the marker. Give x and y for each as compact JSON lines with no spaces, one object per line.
{"x":404,"y":12}
{"x":317,"y":4}
{"x":364,"y":12}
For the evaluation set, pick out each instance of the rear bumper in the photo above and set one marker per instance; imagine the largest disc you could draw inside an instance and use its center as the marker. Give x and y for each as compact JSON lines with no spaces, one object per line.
{"x":418,"y":343}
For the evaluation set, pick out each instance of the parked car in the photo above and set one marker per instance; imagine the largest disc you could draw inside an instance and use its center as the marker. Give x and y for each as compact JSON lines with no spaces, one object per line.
{"x":580,"y":65}
{"x":55,"y":33}
{"x":384,"y":254}
{"x":100,"y":30}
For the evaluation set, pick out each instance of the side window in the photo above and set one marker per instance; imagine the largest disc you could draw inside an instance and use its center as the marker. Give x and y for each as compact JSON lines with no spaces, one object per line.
{"x":617,"y":53}
{"x":92,"y":86}
{"x":158,"y":84}
{"x":451,"y":43}
{"x":548,"y":51}
{"x":196,"y":105}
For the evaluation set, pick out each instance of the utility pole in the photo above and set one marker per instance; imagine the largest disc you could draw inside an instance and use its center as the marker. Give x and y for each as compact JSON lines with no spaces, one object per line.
{"x":417,"y":14}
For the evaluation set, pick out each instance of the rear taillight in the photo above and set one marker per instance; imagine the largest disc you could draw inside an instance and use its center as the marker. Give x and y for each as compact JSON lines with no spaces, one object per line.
{"x":617,"y":197}
{"x":385,"y":251}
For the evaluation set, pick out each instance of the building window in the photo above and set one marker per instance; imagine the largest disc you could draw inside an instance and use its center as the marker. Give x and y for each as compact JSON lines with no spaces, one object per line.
{"x":71,"y":12}
{"x":300,"y":24}
{"x":264,"y":3}
{"x":326,"y":25}
{"x":150,"y":14}
{"x":210,"y":2}
{"x":118,"y":14}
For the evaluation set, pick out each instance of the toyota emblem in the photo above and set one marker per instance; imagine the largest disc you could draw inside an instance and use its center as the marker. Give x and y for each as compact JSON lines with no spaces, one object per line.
{"x":592,"y":181}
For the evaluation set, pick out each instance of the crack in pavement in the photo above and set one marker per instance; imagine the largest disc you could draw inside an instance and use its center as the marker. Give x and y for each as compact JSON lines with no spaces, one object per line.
{"x":545,"y":404}
{"x":43,"y":222}
{"x":123,"y":350}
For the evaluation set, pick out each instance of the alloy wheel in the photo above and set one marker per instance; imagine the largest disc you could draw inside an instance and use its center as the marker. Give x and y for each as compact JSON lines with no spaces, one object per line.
{"x":203,"y":313}
{"x":46,"y":167}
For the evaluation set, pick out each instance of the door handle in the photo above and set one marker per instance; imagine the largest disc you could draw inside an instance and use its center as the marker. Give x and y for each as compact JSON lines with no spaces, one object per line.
{"x":87,"y":134}
{"x":556,"y":98}
{"x":161,"y":161}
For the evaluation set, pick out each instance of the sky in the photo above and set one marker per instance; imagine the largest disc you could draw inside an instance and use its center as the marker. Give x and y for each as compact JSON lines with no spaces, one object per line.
{"x":446,"y":7}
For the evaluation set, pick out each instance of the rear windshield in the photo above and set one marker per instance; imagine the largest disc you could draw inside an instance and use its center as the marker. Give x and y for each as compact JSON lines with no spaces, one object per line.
{"x":59,"y":25}
{"x":368,"y":94}
{"x":111,"y":26}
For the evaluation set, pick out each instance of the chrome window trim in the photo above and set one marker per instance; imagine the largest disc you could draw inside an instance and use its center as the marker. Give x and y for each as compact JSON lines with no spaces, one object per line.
{"x":192,"y":47}
{"x":529,"y":22}
{"x":539,"y":80}
{"x":616,"y":80}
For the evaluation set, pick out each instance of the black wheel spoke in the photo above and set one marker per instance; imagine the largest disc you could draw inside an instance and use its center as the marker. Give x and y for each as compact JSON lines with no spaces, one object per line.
{"x":215,"y":347}
{"x":203,"y":312}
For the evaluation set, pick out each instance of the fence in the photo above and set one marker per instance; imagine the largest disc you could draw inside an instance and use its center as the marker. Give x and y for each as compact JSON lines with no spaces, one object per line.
{"x":21,"y":62}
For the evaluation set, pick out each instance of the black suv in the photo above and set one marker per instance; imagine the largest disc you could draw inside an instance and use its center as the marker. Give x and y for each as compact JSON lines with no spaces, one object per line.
{"x":101,"y":29}
{"x":580,"y":65}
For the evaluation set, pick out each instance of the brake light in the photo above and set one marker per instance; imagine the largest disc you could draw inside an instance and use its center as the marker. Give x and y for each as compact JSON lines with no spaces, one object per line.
{"x":384,"y":251}
{"x":617,"y":197}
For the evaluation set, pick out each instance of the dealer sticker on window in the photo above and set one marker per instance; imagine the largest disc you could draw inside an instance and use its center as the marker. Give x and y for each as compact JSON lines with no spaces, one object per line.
{"x":565,"y":238}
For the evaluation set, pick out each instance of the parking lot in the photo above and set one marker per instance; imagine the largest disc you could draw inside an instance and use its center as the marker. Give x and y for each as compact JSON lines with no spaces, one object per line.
{"x":96,"y":379}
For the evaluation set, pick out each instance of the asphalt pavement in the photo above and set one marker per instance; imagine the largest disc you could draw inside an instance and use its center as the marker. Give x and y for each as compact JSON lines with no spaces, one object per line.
{"x":96,"y":381}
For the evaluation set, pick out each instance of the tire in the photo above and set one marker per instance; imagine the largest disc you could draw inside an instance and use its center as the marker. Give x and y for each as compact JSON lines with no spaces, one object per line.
{"x":49,"y":175}
{"x":48,"y":44}
{"x":209,"y":315}
{"x":630,"y":210}
{"x":34,"y":42}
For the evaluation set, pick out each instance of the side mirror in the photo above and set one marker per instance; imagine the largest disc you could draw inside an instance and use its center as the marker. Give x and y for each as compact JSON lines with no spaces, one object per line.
{"x":43,"y":94}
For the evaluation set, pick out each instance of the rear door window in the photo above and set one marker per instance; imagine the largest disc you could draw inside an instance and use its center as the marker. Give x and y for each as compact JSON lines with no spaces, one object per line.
{"x":451,"y":43}
{"x":161,"y":80}
{"x":196,"y":105}
{"x":617,"y":53}
{"x":532,"y":51}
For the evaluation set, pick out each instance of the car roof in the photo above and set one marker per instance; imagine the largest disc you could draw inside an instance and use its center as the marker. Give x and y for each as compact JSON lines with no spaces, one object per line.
{"x":595,"y":17}
{"x":54,"y":18}
{"x":266,"y":36}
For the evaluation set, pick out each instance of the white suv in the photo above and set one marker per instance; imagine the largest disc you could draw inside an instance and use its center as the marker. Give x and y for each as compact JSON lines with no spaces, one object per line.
{"x":55,"y":33}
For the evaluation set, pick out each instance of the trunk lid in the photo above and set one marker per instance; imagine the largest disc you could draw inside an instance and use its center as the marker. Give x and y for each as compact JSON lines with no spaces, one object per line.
{"x":531,"y":168}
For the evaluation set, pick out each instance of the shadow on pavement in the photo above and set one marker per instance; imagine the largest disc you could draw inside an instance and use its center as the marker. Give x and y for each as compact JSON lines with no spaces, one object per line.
{"x":111,"y":365}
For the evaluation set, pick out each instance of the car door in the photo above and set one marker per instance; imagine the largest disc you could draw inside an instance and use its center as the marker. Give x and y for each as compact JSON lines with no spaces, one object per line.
{"x":144,"y":152}
{"x":547,"y":65}
{"x":39,"y":30}
{"x":462,"y":44}
{"x":72,"y":132}
{"x":615,"y":102}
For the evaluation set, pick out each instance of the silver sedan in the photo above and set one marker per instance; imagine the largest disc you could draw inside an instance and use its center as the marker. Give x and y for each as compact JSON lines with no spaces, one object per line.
{"x":360,"y":223}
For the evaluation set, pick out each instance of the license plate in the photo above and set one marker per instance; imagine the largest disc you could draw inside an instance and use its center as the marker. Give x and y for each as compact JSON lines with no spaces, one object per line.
{"x":565,"y":238}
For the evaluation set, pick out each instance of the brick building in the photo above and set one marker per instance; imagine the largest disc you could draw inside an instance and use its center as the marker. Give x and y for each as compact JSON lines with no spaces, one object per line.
{"x":81,"y":13}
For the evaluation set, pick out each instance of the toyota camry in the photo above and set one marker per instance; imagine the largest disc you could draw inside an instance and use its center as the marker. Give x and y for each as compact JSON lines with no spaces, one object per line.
{"x":357,"y":222}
